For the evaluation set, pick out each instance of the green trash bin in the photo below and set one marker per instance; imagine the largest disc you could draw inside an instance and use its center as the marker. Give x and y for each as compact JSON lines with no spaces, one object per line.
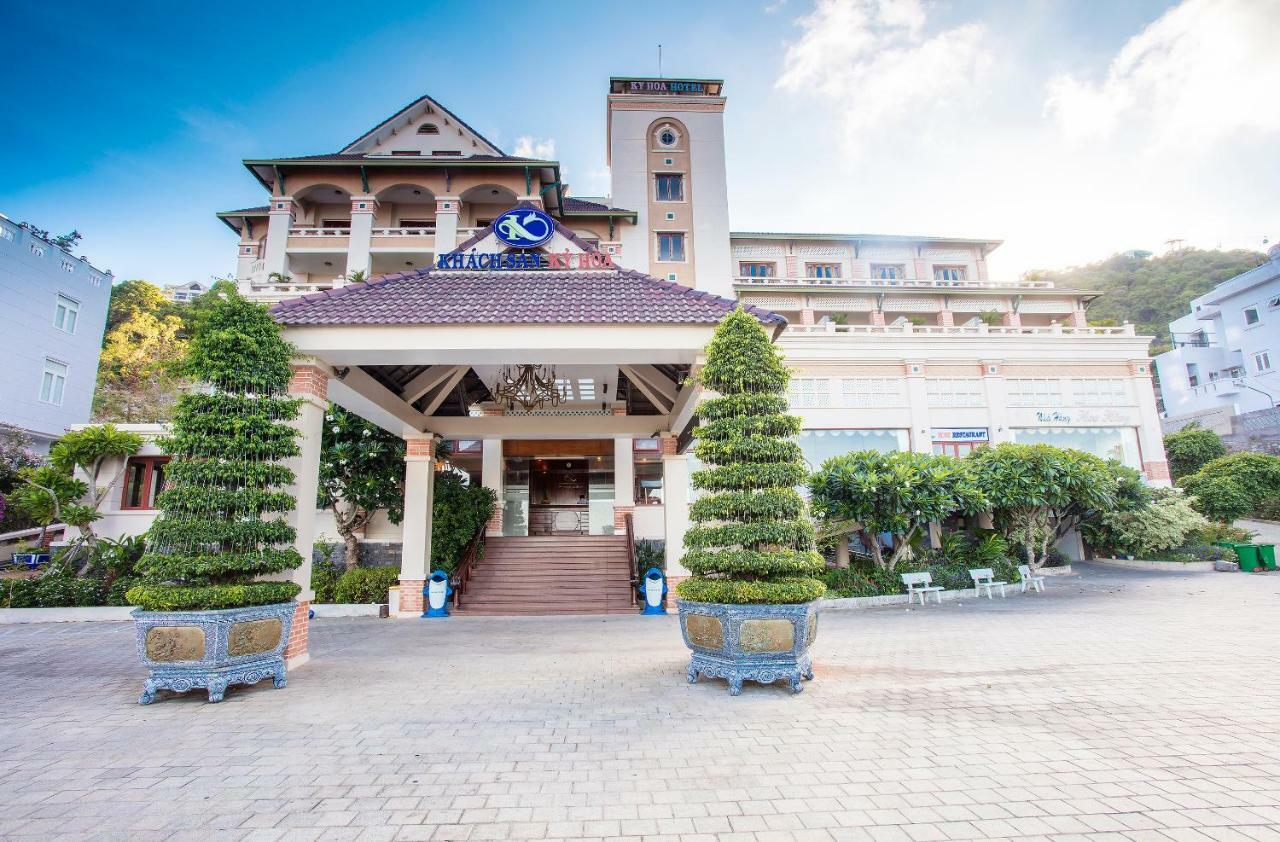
{"x":1266,"y":555}
{"x":1248,"y":555}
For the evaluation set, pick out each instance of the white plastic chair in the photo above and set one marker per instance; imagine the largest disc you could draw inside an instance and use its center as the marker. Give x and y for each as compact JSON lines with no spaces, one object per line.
{"x":1035,"y":582}
{"x":984,"y":578}
{"x":921,"y":583}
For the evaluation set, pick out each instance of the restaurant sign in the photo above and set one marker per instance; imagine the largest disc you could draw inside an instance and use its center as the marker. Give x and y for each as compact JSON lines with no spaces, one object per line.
{"x":976,"y":434}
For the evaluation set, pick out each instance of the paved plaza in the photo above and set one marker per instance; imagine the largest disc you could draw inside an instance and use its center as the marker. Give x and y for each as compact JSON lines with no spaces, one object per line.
{"x":1118,"y":705}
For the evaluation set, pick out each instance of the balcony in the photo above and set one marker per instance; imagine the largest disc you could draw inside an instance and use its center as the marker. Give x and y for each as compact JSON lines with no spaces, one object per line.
{"x":908,"y":329}
{"x":886,"y":283}
{"x":270,"y":291}
{"x":327,"y":239}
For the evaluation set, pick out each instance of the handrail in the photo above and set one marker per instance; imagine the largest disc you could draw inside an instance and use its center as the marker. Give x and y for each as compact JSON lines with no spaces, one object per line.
{"x":631,"y":556}
{"x":885,"y":283}
{"x":960,"y":330}
{"x":470,"y":556}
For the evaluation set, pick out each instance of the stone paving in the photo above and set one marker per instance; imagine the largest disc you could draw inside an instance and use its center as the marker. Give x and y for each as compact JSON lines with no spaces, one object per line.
{"x":1118,"y":705}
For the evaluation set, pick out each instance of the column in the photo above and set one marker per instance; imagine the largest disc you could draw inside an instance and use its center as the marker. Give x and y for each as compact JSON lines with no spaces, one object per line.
{"x":247,"y":256}
{"x":310,"y":383}
{"x":279,"y":221}
{"x":491,"y":471}
{"x":918,"y":406}
{"x":447,"y":224}
{"x":1155,"y":465}
{"x":419,"y":491}
{"x":946,"y":318}
{"x":624,"y":481}
{"x":997,"y":402}
{"x":363,"y":210}
{"x":531,"y":199}
{"x":675,"y":490}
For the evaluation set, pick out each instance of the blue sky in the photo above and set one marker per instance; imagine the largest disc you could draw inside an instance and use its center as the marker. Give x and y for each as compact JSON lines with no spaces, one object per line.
{"x":1069,"y":129}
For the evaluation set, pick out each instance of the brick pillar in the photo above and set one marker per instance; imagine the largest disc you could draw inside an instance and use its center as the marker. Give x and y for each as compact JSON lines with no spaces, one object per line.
{"x":1012,"y":319}
{"x":946,"y":318}
{"x":792,"y":266}
{"x":419,"y":490}
{"x":1078,"y":319}
{"x":877,"y":318}
{"x":295,"y":651}
{"x":310,"y":384}
{"x":806,"y":316}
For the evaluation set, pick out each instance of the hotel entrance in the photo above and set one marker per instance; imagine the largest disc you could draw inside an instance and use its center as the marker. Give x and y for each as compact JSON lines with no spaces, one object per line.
{"x":557,"y":487}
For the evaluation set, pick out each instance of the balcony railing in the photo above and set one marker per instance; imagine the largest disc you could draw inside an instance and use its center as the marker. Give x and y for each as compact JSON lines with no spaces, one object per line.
{"x":889,"y":283}
{"x":319,"y":232}
{"x":832,"y":329}
{"x":404,"y":232}
{"x":264,"y":289}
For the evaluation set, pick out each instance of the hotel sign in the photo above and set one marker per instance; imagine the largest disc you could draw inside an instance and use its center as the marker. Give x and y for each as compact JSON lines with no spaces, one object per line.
{"x":524,"y":228}
{"x":523,"y":261}
{"x":666,"y":87}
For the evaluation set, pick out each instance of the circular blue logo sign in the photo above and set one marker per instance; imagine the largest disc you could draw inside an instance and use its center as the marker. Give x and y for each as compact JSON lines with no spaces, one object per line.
{"x":524,"y":228}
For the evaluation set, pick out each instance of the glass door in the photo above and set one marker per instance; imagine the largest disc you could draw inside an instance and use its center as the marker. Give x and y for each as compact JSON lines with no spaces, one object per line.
{"x":515,"y":497}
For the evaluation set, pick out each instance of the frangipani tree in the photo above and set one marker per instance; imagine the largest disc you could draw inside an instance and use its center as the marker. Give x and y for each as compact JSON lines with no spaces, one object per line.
{"x":361,"y":471}
{"x":898,"y":493}
{"x":752,"y":540}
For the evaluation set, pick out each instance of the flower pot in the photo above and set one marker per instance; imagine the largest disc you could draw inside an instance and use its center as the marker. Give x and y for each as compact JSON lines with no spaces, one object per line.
{"x":749,"y":642}
{"x":31,"y":560}
{"x":212,"y":649}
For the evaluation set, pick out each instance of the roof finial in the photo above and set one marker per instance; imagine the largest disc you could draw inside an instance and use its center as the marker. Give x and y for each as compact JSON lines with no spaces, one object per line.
{"x":659,"y":61}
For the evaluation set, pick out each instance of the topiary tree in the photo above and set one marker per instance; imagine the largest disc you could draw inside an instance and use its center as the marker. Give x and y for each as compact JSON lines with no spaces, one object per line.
{"x":361,"y":471}
{"x":222,"y":519}
{"x":1191,"y":448}
{"x":896,"y":493}
{"x":752,"y":541}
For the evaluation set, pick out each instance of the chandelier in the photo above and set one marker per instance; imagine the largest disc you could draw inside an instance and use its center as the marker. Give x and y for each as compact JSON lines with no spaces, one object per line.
{"x":530,"y":386}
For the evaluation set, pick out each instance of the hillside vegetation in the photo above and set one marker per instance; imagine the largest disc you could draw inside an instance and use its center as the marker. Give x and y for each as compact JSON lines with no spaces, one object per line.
{"x":1151,"y":291}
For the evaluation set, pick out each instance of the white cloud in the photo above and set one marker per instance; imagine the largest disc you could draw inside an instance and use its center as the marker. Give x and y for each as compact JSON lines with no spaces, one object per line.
{"x":532,"y":147}
{"x":1202,"y":72}
{"x":875,"y":62}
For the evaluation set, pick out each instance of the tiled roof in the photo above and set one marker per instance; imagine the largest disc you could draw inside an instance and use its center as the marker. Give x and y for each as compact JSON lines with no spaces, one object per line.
{"x":576,"y":205}
{"x":350,"y":156}
{"x":428,"y":297}
{"x":258,"y":211}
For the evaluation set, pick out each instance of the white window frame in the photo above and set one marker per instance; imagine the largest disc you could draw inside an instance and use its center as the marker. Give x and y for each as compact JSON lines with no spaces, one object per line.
{"x":657,"y":176}
{"x":1034,"y":391}
{"x":53,"y":383}
{"x":898,"y":272}
{"x":940,"y":273}
{"x":1257,"y":316}
{"x":871,"y":392}
{"x":1100,"y":391}
{"x":684,"y":246}
{"x":6,"y":233}
{"x":837,"y":271}
{"x":955,"y":392}
{"x":65,"y":307}
{"x":38,"y":251}
{"x":1262,"y":361}
{"x":771,"y":268}
{"x":809,"y":392}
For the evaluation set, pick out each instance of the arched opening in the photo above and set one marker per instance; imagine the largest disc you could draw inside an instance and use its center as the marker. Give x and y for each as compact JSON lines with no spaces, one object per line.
{"x":325,"y":206}
{"x":407,"y":206}
{"x":482,"y":204}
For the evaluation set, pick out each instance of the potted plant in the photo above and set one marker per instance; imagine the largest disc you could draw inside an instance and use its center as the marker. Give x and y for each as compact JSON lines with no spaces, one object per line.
{"x":204,"y":617}
{"x":32,"y":555}
{"x":748,"y":612}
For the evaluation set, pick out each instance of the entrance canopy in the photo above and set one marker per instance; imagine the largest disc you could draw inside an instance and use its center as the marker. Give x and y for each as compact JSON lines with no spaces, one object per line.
{"x":417,"y":351}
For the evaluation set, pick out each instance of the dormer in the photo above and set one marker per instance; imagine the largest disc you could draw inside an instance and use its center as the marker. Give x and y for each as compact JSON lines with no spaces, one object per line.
{"x":422,"y":129}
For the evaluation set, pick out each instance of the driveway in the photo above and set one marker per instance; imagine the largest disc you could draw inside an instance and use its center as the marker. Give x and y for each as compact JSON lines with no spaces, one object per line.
{"x":1126,"y":704}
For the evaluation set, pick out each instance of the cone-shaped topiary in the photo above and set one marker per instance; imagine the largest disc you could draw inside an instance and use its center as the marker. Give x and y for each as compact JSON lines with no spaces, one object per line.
{"x":752,"y":541}
{"x":221,"y":524}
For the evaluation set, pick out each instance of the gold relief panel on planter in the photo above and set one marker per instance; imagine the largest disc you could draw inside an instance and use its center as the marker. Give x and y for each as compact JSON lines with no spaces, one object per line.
{"x":253,"y":636}
{"x":167,"y":644}
{"x":705,"y":630}
{"x":813,"y":630}
{"x":767,"y":636}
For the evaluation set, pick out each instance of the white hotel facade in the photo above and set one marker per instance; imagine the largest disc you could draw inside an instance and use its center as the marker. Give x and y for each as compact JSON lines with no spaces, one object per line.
{"x":897,"y":342}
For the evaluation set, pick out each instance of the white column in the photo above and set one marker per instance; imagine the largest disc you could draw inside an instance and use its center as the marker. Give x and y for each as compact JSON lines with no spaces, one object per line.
{"x":279,"y":221}
{"x":309,"y":384}
{"x":245,"y":258}
{"x":997,"y":402}
{"x":624,"y":472}
{"x":419,"y":491}
{"x":363,"y":209}
{"x":447,"y":208}
{"x":491,"y":477}
{"x":675,"y":491}
{"x":918,"y":406}
{"x":1155,"y":464}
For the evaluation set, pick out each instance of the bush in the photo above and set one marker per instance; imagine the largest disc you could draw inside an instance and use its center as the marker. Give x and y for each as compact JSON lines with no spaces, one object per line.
{"x":222,"y":522}
{"x":1268,"y":509}
{"x":1223,"y":532}
{"x":324,"y":578}
{"x":458,"y":510}
{"x":750,"y":542}
{"x":1164,"y":523}
{"x":1191,"y":448}
{"x":365,"y":585}
{"x":1232,"y":486}
{"x":51,"y":592}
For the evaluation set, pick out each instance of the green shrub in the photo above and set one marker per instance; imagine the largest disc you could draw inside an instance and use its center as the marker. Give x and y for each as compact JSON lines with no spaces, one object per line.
{"x":324,"y":578}
{"x":364,"y":585}
{"x":222,"y":522}
{"x":1268,"y":509}
{"x":1214,"y":531}
{"x":1232,"y":486}
{"x":1166,"y":522}
{"x":458,"y":510}
{"x":751,"y":541}
{"x":1191,"y":448}
{"x":53,"y":592}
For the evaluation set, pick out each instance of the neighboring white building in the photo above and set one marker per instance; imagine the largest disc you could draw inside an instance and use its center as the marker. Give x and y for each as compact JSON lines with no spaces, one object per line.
{"x":53,"y":310}
{"x":1226,"y":351}
{"x":183,"y":293}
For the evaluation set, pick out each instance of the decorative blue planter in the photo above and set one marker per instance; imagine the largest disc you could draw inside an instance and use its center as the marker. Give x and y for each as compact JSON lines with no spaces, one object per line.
{"x":31,"y":560}
{"x":212,"y":649}
{"x":749,"y":642}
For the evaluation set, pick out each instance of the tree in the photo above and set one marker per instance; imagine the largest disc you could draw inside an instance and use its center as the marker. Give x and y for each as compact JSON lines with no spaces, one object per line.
{"x":1191,"y":448}
{"x":88,"y":451}
{"x":15,"y":455}
{"x":129,"y":298}
{"x":896,"y":493}
{"x":49,"y":495}
{"x":1232,"y":486}
{"x":1038,"y":492}
{"x":222,"y":521}
{"x":752,"y":541}
{"x":1166,"y":522}
{"x":361,"y":471}
{"x":137,"y":381}
{"x":67,"y":242}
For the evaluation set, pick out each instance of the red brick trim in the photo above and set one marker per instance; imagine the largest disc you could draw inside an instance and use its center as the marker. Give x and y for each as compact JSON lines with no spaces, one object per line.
{"x":411,"y":595}
{"x":297,"y":645}
{"x":669,"y":445}
{"x":620,"y":514}
{"x":420,"y":447}
{"x":1156,"y":470}
{"x":309,"y":380}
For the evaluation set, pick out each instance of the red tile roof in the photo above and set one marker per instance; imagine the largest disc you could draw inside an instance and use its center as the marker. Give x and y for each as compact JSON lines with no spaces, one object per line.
{"x":429,"y":297}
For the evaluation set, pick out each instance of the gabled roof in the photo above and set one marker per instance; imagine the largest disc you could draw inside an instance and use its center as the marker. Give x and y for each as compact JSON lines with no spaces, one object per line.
{"x":431,"y":297}
{"x":574,"y":205}
{"x":422,"y":102}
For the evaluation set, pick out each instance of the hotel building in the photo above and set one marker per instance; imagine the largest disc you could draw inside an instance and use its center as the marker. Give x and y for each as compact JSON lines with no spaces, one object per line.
{"x":383,"y":264}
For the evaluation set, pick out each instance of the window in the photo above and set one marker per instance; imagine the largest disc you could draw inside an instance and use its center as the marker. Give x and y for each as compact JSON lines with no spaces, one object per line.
{"x":68,"y":266}
{"x":36,"y":250}
{"x":1034,"y":392}
{"x":418,"y":223}
{"x":428,"y":128}
{"x":143,"y":480}
{"x":817,"y":446}
{"x":65,"y":314}
{"x":757,"y":270}
{"x":648,"y":472}
{"x":446,"y":152}
{"x":809,"y":392}
{"x":671,"y":247}
{"x":405,"y":153}
{"x":54,"y":382}
{"x":871,"y":391}
{"x":822,"y":270}
{"x":1193,"y":374}
{"x":6,"y":233}
{"x":948,"y":273}
{"x":1251,"y":316}
{"x":1274,"y":304}
{"x":667,"y":136}
{"x":966,"y":391}
{"x":336,"y":223}
{"x":670,"y":187}
{"x":1106,"y":391}
{"x":886,"y":272}
{"x":1262,"y":361}
{"x":1119,"y":443}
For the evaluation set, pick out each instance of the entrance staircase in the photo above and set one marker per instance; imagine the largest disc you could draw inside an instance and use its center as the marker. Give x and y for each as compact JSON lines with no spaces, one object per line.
{"x":553,"y":574}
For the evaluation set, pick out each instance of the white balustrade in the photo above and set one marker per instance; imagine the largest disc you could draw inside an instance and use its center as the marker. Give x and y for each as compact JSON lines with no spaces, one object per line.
{"x":889,"y":283}
{"x":319,"y":232}
{"x":831,"y":328}
{"x":404,"y":232}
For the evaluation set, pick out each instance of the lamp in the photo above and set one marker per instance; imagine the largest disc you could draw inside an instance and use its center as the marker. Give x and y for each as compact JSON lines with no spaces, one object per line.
{"x":530,"y":386}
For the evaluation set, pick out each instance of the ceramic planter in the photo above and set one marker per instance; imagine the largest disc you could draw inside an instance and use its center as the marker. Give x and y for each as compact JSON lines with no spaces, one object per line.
{"x":212,"y":649}
{"x":749,"y":642}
